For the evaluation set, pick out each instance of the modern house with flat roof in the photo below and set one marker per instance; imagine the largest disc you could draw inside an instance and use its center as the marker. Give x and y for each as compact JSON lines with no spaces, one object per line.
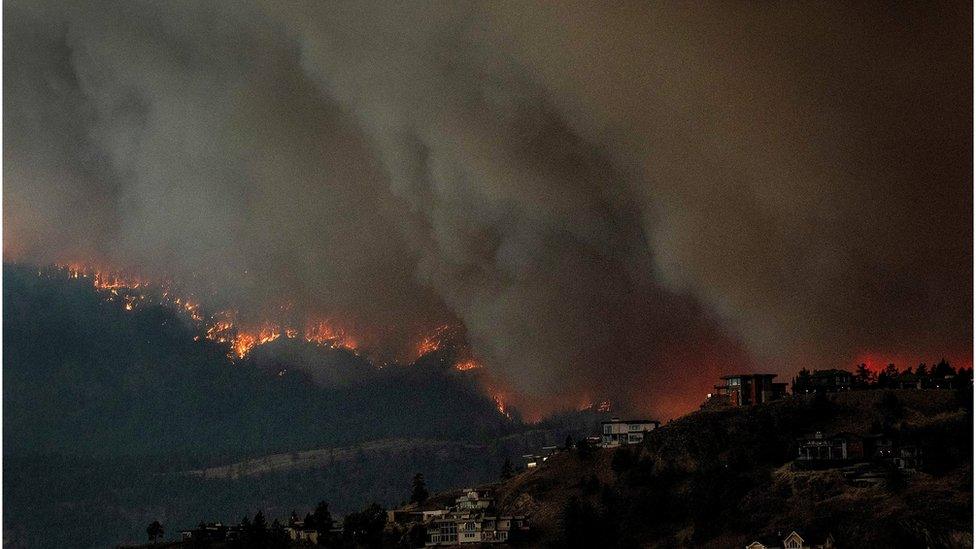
{"x":618,"y":432}
{"x":749,"y":389}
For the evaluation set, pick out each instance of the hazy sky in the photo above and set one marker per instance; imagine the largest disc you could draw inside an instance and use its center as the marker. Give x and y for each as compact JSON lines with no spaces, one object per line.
{"x":614,"y":200}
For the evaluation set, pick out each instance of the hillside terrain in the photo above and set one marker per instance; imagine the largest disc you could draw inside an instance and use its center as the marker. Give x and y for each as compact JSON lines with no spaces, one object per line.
{"x":108,"y":412}
{"x":722,"y":478}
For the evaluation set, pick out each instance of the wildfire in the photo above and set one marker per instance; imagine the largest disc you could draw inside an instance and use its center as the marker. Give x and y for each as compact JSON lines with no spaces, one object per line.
{"x":318,"y":332}
{"x":243,"y":343}
{"x":221,"y":327}
{"x":434,"y":341}
{"x":448,"y":336}
{"x":466,"y":365}
{"x":500,"y":404}
{"x":324,"y":332}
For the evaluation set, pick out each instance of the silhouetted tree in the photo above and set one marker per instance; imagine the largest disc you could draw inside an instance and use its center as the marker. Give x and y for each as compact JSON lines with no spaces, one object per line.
{"x":922,"y":370}
{"x":888,"y":376}
{"x":942,"y":370}
{"x":259,"y":529}
{"x":277,"y":537}
{"x":322,"y":518}
{"x":801,"y":383}
{"x":366,"y":526}
{"x":246,"y":525}
{"x":154,"y":531}
{"x":420,"y":493}
{"x":568,"y":445}
{"x":508,"y":471}
{"x":863,"y":376}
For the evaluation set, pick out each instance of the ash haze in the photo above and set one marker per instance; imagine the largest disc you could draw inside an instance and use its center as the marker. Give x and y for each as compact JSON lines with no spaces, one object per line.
{"x":614,"y":201}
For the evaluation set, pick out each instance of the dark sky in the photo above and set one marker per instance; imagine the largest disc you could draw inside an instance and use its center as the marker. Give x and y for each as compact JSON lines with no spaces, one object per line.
{"x":614,"y":201}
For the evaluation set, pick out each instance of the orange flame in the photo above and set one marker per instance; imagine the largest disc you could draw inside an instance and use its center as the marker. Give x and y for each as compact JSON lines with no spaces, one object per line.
{"x":434,"y":341}
{"x":466,"y":365}
{"x":500,"y":404}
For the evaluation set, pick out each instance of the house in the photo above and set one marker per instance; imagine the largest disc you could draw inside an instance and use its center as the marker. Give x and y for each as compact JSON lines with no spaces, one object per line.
{"x":303,"y":535}
{"x":460,"y":528}
{"x":823,"y":381}
{"x":617,"y":432}
{"x":749,"y":389}
{"x":471,"y":520}
{"x":906,"y":380}
{"x":901,"y":454}
{"x":473,"y":500}
{"x":535,"y":460}
{"x":807,"y":539}
{"x":298,"y":532}
{"x":818,"y":450}
{"x":208,"y":533}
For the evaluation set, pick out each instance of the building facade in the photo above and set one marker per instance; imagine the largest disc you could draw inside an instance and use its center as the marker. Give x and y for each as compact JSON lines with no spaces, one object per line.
{"x":749,"y":389}
{"x":472,"y":519}
{"x":618,"y":432}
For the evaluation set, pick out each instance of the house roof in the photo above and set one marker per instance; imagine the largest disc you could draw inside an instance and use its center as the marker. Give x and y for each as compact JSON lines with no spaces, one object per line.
{"x":730,"y":376}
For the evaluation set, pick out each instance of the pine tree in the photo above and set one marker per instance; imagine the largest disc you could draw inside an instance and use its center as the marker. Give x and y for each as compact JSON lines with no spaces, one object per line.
{"x":322,"y":518}
{"x":863,"y":376}
{"x":154,"y":531}
{"x":259,"y":528}
{"x":419,"y":494}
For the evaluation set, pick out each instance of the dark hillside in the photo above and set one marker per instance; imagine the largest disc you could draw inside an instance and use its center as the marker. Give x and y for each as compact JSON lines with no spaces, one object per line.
{"x":85,"y":377}
{"x":721,"y":478}
{"x":106,"y":410}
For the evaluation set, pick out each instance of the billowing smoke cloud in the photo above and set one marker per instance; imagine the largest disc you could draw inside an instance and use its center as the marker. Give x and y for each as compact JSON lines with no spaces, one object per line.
{"x":615,"y":202}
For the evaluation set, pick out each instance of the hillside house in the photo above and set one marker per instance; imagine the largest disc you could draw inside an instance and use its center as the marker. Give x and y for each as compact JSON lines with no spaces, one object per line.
{"x":471,"y":520}
{"x":473,"y":500}
{"x":460,"y":529}
{"x":299,"y":533}
{"x":901,"y":454}
{"x":748,"y":389}
{"x":535,"y":460}
{"x":820,"y":451}
{"x":617,"y":432}
{"x":817,"y":450}
{"x":823,"y":381}
{"x":807,"y":539}
{"x":405,"y":516}
{"x":211,"y":532}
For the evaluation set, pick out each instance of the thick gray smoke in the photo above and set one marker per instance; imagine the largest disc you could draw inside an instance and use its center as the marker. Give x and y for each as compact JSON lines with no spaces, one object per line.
{"x":615,"y":202}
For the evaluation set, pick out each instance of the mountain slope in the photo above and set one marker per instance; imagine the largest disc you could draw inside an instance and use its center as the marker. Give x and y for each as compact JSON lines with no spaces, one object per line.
{"x":721,"y":478}
{"x":106,"y":409}
{"x":86,"y":377}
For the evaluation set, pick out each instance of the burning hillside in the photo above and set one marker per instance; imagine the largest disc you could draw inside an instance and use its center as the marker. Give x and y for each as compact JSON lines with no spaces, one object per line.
{"x":223,"y":326}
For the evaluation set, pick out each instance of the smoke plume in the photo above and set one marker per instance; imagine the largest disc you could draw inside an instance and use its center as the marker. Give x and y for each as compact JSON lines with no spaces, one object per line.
{"x":615,"y":202}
